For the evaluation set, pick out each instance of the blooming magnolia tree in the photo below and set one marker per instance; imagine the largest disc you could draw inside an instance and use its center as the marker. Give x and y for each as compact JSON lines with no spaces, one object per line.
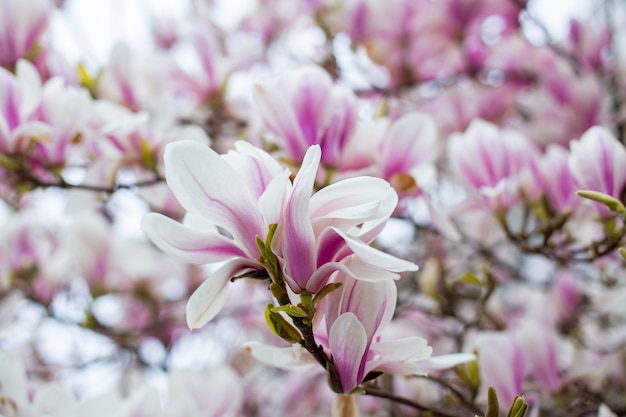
{"x":363,"y":207}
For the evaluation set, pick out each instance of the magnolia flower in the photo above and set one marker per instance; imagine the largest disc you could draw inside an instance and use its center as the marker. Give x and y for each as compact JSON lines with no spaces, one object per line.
{"x":241,"y":193}
{"x":234,"y":200}
{"x":498,"y":164}
{"x":598,"y":162}
{"x":21,"y":25}
{"x":559,"y":186}
{"x":352,"y":335}
{"x":541,"y":353}
{"x":20,"y":97}
{"x":321,"y":232}
{"x":304,"y":108}
{"x":501,"y":363}
{"x":356,"y":318}
{"x":40,"y":122}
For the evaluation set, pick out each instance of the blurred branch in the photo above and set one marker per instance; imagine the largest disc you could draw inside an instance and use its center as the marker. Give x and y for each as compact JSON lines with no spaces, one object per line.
{"x":377,"y":392}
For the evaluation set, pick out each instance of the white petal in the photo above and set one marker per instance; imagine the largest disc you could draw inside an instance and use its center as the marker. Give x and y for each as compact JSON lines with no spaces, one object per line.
{"x":188,"y":244}
{"x":377,"y":258}
{"x":336,"y":199}
{"x":280,"y":117}
{"x":448,"y":361}
{"x":206,"y":184}
{"x":210,"y":297}
{"x":298,"y":241}
{"x":272,"y":201}
{"x":411,"y":140}
{"x":282,"y":357}
{"x":407,"y":349}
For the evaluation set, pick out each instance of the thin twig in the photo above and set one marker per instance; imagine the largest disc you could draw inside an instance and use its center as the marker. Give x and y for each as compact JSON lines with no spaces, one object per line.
{"x":376,"y":392}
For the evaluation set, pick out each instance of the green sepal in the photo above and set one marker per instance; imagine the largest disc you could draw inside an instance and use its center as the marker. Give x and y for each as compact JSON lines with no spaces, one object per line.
{"x":268,"y":258}
{"x":470,"y":278}
{"x":87,"y":81}
{"x":328,"y":288}
{"x":518,"y":408}
{"x":290,"y":309}
{"x":146,"y":153}
{"x":612,"y":203}
{"x":493,"y":408}
{"x":622,"y":252}
{"x":281,"y":327}
{"x":277,"y":290}
{"x":307,"y":301}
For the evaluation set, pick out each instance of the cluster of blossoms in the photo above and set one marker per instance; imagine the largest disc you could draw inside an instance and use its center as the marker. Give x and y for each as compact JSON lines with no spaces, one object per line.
{"x":229,"y":219}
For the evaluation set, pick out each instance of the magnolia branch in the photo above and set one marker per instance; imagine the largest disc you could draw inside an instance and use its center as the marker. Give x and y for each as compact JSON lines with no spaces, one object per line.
{"x":61,"y":183}
{"x":376,"y":392}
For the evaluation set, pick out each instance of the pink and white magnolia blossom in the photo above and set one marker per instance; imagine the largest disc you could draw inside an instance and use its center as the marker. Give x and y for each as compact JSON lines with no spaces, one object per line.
{"x":598,"y":162}
{"x":39,"y":122}
{"x":20,"y":96}
{"x":22,"y":22}
{"x":322,"y":231}
{"x":352,"y":333}
{"x":315,"y":234}
{"x":501,"y":364}
{"x":355,"y":318}
{"x":499,"y":164}
{"x":200,"y":76}
{"x":138,"y":83}
{"x":242,"y":193}
{"x":558,"y":183}
{"x":304,"y":108}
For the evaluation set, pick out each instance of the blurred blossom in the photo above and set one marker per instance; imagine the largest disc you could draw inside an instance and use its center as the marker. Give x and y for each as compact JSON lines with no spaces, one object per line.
{"x":418,"y":40}
{"x":598,"y":162}
{"x":39,"y":123}
{"x":498,"y":164}
{"x":559,"y":186}
{"x":541,"y":354}
{"x":590,"y":42}
{"x":304,"y":108}
{"x":21,"y":25}
{"x":501,"y":364}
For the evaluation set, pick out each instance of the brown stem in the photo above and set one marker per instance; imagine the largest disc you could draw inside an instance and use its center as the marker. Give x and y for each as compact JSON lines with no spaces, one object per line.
{"x":376,"y":392}
{"x":469,"y":405}
{"x":95,"y":188}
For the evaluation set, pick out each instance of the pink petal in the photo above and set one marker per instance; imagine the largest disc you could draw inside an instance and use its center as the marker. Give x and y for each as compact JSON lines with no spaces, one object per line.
{"x":310,"y":92}
{"x":187,"y":244}
{"x":373,"y":303}
{"x":348,"y":343}
{"x":207,"y":185}
{"x":411,"y":141}
{"x":298,"y":239}
{"x":281,"y":119}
